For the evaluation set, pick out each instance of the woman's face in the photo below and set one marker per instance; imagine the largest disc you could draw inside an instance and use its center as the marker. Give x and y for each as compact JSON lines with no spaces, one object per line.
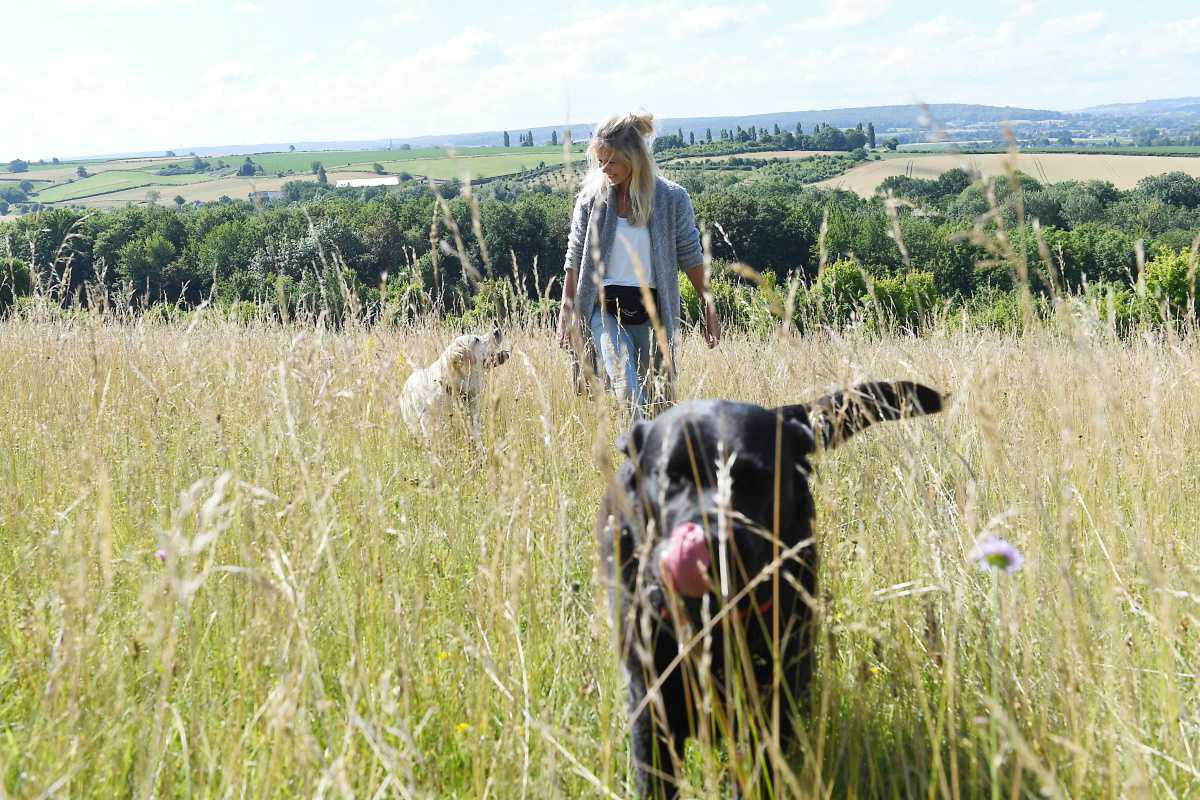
{"x":614,"y":166}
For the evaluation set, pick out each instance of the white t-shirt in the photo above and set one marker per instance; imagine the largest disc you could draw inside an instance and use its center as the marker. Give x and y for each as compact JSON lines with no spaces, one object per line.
{"x":631,"y":246}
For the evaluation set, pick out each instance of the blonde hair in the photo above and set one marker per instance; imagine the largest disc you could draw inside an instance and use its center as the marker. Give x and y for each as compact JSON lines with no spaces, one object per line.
{"x":627,"y":135}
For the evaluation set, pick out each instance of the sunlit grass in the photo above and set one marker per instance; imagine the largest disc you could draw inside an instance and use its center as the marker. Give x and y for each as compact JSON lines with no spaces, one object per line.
{"x":228,"y":570}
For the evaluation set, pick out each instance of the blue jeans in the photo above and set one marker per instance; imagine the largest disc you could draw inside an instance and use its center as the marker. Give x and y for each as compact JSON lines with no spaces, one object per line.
{"x":627,"y":355}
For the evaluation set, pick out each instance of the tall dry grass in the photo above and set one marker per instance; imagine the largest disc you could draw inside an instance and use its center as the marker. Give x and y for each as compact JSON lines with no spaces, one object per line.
{"x":228,"y":571}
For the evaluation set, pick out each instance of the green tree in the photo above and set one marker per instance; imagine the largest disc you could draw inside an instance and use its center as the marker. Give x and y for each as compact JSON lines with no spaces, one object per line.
{"x":1173,"y":188}
{"x":855,"y":139}
{"x":891,"y":143}
{"x":322,"y":178}
{"x":143,"y":263}
{"x":247,"y":168}
{"x":54,"y":160}
{"x":81,"y":171}
{"x":152,"y":196}
{"x":291,"y":148}
{"x":316,"y":167}
{"x":17,"y":165}
{"x":26,"y":186}
{"x":378,"y":168}
{"x":871,"y":135}
{"x":506,"y":139}
{"x":553,"y":137}
{"x":179,"y":201}
{"x":708,"y":135}
{"x":170,"y":154}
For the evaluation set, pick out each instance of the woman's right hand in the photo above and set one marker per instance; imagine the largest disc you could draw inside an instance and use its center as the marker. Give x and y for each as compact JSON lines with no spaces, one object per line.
{"x":565,"y":314}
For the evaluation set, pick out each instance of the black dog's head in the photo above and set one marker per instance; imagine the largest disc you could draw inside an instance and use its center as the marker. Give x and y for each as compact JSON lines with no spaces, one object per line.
{"x":675,"y":486}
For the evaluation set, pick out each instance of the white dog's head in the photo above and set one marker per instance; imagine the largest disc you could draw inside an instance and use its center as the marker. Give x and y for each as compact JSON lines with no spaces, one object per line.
{"x":470,"y":352}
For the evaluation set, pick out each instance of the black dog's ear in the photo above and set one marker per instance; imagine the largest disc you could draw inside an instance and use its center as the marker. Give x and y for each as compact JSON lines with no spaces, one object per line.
{"x":803,"y":435}
{"x":631,"y":442}
{"x":836,"y":417}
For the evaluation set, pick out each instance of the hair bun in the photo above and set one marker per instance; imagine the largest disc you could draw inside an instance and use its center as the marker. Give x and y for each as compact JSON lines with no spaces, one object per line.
{"x":643,"y":123}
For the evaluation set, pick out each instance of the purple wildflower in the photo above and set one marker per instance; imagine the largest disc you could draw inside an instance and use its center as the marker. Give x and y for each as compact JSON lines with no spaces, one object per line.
{"x":995,"y":553}
{"x":161,"y":555}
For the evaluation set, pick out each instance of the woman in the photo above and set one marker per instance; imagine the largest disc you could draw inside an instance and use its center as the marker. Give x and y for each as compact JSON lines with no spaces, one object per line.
{"x":631,"y":233}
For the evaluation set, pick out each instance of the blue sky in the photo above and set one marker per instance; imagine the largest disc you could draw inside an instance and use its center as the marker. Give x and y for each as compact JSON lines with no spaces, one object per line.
{"x":102,"y":76}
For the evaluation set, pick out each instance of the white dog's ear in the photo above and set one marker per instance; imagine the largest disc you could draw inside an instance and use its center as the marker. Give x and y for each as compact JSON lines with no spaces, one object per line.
{"x":463,"y":350}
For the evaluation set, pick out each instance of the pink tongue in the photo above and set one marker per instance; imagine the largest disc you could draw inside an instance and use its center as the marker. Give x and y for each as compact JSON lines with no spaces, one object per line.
{"x":685,"y":560}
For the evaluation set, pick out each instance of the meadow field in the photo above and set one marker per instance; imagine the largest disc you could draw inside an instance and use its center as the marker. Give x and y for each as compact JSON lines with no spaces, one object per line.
{"x":229,"y":571}
{"x":1122,"y":171}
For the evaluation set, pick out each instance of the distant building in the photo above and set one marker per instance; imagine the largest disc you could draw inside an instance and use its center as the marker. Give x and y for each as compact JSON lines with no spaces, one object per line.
{"x":262,"y":197}
{"x":358,"y":183}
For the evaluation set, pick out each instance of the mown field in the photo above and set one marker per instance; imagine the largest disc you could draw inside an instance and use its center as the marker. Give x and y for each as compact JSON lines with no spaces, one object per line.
{"x":1122,"y":171}
{"x":112,"y":181}
{"x":229,"y":571}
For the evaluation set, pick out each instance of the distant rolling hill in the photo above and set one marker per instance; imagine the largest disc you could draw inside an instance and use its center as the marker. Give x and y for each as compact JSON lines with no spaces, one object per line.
{"x":885,"y":118}
{"x":1174,"y":108}
{"x":1146,"y":107}
{"x":911,"y":118}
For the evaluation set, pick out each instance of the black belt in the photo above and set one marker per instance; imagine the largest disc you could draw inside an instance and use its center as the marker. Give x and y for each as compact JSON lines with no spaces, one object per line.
{"x":626,"y":305}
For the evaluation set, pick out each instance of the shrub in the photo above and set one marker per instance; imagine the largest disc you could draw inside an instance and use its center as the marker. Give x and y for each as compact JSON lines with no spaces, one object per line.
{"x":904,"y":301}
{"x":15,"y":281}
{"x":838,"y":291}
{"x":1170,"y":283}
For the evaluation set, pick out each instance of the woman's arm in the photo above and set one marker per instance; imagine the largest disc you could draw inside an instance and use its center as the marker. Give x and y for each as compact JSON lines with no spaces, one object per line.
{"x":690,"y":250}
{"x":566,"y":309}
{"x":712,"y":325}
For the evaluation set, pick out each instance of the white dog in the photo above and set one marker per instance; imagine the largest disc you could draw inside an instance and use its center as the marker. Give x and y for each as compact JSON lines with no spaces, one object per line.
{"x":454,"y":380}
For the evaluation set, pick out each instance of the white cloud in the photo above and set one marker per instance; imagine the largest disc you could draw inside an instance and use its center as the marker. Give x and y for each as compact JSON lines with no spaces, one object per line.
{"x":231,"y":70}
{"x":841,"y":15}
{"x":246,"y":7}
{"x":111,"y":5}
{"x":1074,"y":26}
{"x":471,"y":45}
{"x":708,"y":20}
{"x":940,"y":26}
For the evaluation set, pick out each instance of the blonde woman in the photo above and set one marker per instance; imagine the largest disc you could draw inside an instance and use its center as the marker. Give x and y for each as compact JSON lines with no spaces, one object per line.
{"x":631,"y":234}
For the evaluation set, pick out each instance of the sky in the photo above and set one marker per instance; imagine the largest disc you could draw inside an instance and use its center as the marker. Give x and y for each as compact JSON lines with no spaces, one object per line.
{"x":88,"y":77}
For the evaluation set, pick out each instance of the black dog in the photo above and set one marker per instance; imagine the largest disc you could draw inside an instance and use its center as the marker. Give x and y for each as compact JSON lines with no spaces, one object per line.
{"x":678,"y":594}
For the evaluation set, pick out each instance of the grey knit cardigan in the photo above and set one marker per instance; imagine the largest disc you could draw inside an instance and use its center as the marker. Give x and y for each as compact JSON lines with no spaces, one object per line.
{"x":674,"y":245}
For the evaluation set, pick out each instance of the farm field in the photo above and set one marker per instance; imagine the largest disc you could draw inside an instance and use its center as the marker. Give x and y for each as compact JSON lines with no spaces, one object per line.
{"x":206,"y":191}
{"x":301,"y":162}
{"x":488,"y":166}
{"x":1123,"y":171}
{"x":765,"y":154}
{"x":66,"y":170}
{"x":230,"y":571}
{"x":114,"y":183}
